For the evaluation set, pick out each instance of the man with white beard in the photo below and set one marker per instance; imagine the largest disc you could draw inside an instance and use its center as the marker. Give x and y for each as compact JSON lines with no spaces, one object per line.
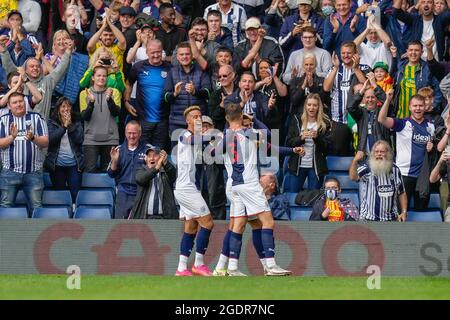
{"x":381,"y":185}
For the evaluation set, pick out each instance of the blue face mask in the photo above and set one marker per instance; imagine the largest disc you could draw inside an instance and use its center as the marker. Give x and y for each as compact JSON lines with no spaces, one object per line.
{"x":327,"y":10}
{"x":331,"y":194}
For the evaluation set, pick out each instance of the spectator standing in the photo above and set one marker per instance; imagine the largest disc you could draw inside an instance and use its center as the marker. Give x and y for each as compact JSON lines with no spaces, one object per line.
{"x":64,"y":160}
{"x":23,"y":136}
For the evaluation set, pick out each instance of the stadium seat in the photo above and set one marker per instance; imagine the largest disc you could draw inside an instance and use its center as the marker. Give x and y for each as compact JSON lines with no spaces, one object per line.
{"x":435,"y":201}
{"x":13,"y":213}
{"x":98,"y":181}
{"x":47,"y":181}
{"x":92,"y":213}
{"x":95,"y":198}
{"x":346,"y":183}
{"x":424,"y":216}
{"x":291,"y":197}
{"x":339,"y":164}
{"x":352,"y":196}
{"x":51,"y":213}
{"x":300,"y":213}
{"x":57,"y":198}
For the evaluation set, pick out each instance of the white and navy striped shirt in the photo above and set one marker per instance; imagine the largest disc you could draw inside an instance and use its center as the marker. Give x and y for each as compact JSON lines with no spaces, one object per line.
{"x":379,"y":194}
{"x":23,"y":156}
{"x":339,"y":93}
{"x":234,"y":20}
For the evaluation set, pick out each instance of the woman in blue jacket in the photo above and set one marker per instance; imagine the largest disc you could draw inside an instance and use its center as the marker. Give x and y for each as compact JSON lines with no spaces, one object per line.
{"x":64,"y":160}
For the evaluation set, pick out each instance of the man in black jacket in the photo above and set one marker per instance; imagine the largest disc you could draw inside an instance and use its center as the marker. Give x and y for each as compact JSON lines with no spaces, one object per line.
{"x":155,"y":199}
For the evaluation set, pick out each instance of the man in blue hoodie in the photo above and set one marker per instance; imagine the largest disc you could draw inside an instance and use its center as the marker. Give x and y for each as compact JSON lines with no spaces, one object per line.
{"x":125,"y":159}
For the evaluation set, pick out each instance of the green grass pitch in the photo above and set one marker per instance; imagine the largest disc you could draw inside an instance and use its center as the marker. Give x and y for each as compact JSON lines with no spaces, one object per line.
{"x":220,"y":288}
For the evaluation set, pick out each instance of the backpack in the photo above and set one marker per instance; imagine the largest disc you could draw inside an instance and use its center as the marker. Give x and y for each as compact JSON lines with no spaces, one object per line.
{"x":306,"y":198}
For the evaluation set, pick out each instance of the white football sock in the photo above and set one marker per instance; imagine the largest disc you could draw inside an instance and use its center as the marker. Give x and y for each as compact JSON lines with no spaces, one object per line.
{"x":233,"y":264}
{"x":270,"y":262}
{"x":222,"y":262}
{"x":182,"y":264}
{"x":198,"y":259}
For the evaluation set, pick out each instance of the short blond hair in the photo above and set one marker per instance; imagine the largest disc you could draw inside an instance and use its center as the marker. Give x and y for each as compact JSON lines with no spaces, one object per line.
{"x":190,"y":109}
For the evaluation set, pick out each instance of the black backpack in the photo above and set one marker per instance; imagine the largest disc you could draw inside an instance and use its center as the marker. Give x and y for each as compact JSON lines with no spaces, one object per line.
{"x":306,"y":198}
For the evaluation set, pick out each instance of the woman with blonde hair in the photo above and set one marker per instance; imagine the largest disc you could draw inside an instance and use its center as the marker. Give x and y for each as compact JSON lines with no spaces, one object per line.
{"x":310,"y":131}
{"x":103,"y":57}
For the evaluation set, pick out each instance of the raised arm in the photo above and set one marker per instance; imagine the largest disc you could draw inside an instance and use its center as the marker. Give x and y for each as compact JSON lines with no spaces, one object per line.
{"x":386,"y":121}
{"x":329,"y":80}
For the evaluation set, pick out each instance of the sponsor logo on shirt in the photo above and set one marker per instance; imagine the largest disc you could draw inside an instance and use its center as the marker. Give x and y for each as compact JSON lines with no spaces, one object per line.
{"x":421,"y":139}
{"x":385,"y":190}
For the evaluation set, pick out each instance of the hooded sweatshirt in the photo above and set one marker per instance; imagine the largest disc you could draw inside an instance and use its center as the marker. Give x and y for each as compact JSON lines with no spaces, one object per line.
{"x":100,"y":127}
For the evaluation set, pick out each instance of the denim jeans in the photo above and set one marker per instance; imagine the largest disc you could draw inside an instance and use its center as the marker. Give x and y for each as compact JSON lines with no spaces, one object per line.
{"x":67,"y":177}
{"x":31,"y":183}
{"x":313,"y":182}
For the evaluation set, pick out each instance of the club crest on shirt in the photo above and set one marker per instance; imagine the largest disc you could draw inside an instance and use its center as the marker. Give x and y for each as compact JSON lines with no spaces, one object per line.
{"x":385,"y":190}
{"x":164,"y":74}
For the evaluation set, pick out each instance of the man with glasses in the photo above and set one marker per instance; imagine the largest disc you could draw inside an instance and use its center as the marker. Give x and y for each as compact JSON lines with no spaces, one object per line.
{"x":295,"y":62}
{"x":150,"y":109}
{"x":226,"y":76}
{"x":330,"y":207}
{"x":295,"y":24}
{"x":382,"y":185}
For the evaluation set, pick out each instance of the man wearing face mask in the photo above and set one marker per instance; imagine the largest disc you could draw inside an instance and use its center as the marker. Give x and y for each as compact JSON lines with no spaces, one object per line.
{"x":330,"y":207}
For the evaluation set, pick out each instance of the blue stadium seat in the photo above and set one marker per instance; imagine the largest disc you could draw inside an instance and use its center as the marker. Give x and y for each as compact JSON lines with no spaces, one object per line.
{"x":435,"y":201}
{"x":51,"y":213}
{"x":339,"y":163}
{"x":95,"y":198}
{"x":300,"y":213}
{"x":291,"y":197}
{"x":92,"y":213}
{"x":98,"y":181}
{"x":346,"y":183}
{"x":13,"y":213}
{"x":57,"y":198}
{"x":47,"y":181}
{"x":424,"y":216}
{"x":352,"y":196}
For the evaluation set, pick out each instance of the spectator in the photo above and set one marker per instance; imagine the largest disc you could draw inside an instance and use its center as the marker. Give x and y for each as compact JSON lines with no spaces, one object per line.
{"x":257,"y":47}
{"x":99,"y":105}
{"x":73,"y":23}
{"x":310,"y":131}
{"x":105,"y":37}
{"x":216,"y":103}
{"x":382,"y":76}
{"x":103,"y":57}
{"x":381,"y":185}
{"x":216,"y":32}
{"x":150,"y":108}
{"x":276,"y":15}
{"x":412,"y":75}
{"x":152,"y":9}
{"x":434,"y":116}
{"x":350,"y":72}
{"x":46,"y":84}
{"x":17,"y":81}
{"x":294,"y":25}
{"x":425,"y":25}
{"x":414,"y":141}
{"x":439,"y":6}
{"x":377,"y":46}
{"x":253,"y":103}
{"x":330,"y":207}
{"x":169,"y":34}
{"x":302,"y":85}
{"x":6,"y":7}
{"x":279,"y":204}
{"x":341,"y":27}
{"x":295,"y":62}
{"x":440,"y":171}
{"x":363,"y":107}
{"x":224,"y":57}
{"x":186,"y":85}
{"x":273,"y":88}
{"x":25,"y":131}
{"x":212,"y":182}
{"x":398,"y":31}
{"x":326,"y":8}
{"x":64,"y":159}
{"x":15,"y":21}
{"x":19,"y":47}
{"x":233,"y":17}
{"x":155,"y":179}
{"x":125,"y":160}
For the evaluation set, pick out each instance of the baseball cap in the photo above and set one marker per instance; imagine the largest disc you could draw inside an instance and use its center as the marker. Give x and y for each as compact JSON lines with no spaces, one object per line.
{"x":304,"y":2}
{"x":14,"y":12}
{"x":382,"y":65}
{"x":127,"y":11}
{"x":252,"y":23}
{"x":150,"y":147}
{"x":207,"y":120}
{"x":146,"y":25}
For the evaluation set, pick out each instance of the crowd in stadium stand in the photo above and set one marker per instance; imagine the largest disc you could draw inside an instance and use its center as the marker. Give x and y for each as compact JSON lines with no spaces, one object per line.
{"x":101,"y":87}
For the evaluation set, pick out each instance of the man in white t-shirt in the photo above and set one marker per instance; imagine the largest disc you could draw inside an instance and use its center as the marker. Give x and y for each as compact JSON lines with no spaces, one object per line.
{"x":377,"y":46}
